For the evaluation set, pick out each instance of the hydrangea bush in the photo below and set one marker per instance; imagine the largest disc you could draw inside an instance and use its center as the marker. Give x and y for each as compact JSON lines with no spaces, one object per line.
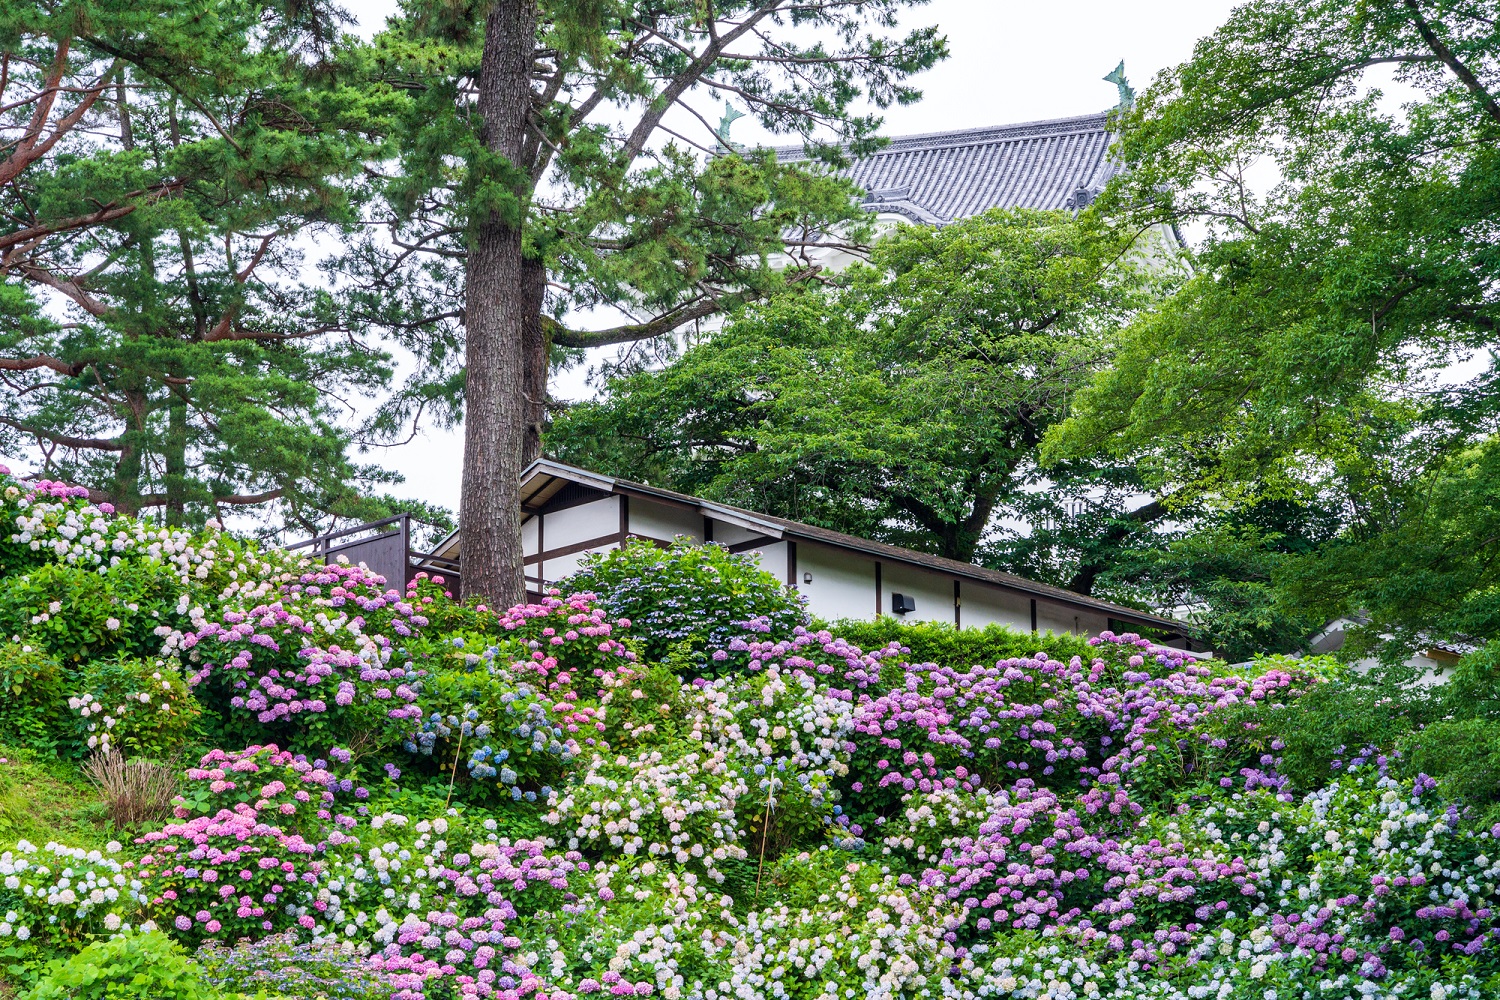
{"x":689,"y":598}
{"x":406,"y":797}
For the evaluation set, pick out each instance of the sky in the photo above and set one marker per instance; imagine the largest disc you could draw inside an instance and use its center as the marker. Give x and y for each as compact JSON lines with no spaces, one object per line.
{"x":1009,"y":62}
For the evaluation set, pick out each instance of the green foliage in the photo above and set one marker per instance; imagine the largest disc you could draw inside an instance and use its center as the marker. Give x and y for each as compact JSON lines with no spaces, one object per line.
{"x":69,"y":609}
{"x":1471,"y":773}
{"x":1307,"y":360}
{"x":128,"y":967}
{"x":904,"y":405}
{"x":689,"y":599}
{"x":183,"y":152}
{"x":682,"y":226}
{"x":1474,"y":689}
{"x":907,"y":404}
{"x":941,"y":643}
{"x":141,"y":707}
{"x":1347,"y":716}
{"x":34,"y":691}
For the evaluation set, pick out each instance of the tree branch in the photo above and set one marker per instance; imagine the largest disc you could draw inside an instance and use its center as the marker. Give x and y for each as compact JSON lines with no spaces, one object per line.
{"x":631,"y":332}
{"x":1486,"y":99}
{"x":233,"y":500}
{"x":71,"y":289}
{"x":66,"y":440}
{"x":29,"y":151}
{"x":109,"y":213}
{"x":658,"y":108}
{"x":41,"y":361}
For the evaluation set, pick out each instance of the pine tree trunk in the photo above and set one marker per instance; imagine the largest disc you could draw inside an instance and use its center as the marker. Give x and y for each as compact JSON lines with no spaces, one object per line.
{"x":131,"y":409}
{"x":495,"y":407}
{"x":176,"y":461}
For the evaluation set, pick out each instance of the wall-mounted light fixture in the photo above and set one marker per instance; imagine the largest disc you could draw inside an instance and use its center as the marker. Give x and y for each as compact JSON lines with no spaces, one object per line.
{"x":903,"y":604}
{"x":807,"y":578}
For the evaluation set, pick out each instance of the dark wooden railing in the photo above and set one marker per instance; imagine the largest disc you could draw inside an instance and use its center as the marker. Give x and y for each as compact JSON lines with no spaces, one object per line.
{"x":383,"y":546}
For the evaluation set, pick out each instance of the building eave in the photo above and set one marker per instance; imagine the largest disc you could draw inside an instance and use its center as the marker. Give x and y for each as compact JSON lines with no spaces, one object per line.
{"x":782,"y":528}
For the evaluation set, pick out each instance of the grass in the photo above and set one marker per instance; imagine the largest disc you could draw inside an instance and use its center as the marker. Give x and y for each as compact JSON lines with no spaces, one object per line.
{"x":47,"y":799}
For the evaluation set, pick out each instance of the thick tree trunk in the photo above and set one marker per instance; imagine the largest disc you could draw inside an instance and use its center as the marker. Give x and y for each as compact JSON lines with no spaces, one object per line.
{"x":535,"y":349}
{"x":131,"y":463}
{"x":495,"y":408}
{"x":176,"y":461}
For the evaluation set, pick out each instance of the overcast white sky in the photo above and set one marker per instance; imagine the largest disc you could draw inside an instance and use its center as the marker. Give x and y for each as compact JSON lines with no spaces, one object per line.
{"x":1010,"y":62}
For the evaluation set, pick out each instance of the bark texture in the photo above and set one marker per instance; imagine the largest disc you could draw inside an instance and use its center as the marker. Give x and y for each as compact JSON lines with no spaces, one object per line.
{"x":496,"y":317}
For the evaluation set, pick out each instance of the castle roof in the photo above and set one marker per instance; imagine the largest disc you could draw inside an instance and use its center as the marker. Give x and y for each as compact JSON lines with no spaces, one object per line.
{"x":940,"y":177}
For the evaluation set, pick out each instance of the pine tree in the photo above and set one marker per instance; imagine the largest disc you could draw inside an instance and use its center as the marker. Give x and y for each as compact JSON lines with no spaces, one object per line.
{"x":161,"y":343}
{"x":541,"y":170}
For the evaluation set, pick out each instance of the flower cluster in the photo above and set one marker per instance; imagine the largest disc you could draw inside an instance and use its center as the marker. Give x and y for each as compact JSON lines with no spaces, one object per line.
{"x":318,"y":657}
{"x":229,"y":876}
{"x":59,"y":523}
{"x":65,"y":894}
{"x":767,"y":812}
{"x":296,"y":794}
{"x":134,"y":706}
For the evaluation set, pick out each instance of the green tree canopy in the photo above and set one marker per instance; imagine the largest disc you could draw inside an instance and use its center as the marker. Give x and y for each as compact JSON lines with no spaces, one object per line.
{"x":161,"y":166}
{"x":1312,"y":356}
{"x":905,"y":403}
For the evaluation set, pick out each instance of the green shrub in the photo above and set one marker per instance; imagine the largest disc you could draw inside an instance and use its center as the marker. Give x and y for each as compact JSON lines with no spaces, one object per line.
{"x":141,"y":707}
{"x":688,"y":598}
{"x":1463,"y":755}
{"x":1333,"y":721}
{"x":33,"y":700}
{"x":1473,"y":692}
{"x":941,"y":643}
{"x":145,"y":966}
{"x":77,"y":613}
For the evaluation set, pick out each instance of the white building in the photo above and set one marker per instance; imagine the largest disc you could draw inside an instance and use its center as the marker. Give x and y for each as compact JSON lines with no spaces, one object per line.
{"x":570,"y":512}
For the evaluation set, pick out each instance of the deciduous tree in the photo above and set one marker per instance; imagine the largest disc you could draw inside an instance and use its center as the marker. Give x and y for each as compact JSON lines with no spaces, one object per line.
{"x":1312,"y":356}
{"x":907,"y":404}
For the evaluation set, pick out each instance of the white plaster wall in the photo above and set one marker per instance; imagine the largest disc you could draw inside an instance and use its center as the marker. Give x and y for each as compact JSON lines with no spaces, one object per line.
{"x":1059,"y":618}
{"x":572,"y":525}
{"x":528,"y":536}
{"x":732,"y":534}
{"x":771,"y":557}
{"x":663,"y":521}
{"x":984,"y":605}
{"x":561,"y":566}
{"x":933,"y":592}
{"x":843,"y":584}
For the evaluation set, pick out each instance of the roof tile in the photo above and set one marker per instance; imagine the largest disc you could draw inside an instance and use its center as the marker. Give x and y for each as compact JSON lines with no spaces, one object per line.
{"x":954,"y":175}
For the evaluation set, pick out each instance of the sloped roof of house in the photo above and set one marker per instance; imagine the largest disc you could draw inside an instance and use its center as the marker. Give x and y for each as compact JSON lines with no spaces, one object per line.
{"x":545,"y":478}
{"x":939,"y":177}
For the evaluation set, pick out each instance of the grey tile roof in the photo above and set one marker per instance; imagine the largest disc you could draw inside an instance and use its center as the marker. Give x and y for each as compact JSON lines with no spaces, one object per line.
{"x":943,"y":176}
